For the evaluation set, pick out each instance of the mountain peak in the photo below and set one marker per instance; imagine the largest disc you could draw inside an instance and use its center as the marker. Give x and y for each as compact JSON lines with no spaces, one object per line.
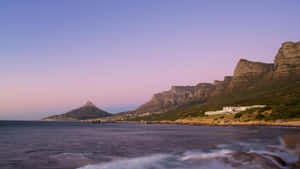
{"x":88,"y":111}
{"x":89,"y":104}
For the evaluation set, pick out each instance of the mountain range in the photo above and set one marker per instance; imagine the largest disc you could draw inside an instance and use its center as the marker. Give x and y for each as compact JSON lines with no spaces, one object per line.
{"x":274,"y":84}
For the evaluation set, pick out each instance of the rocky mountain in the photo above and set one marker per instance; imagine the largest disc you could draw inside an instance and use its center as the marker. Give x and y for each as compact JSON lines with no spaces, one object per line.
{"x":247,"y":74}
{"x":287,"y":60}
{"x":88,"y":111}
{"x":178,"y":95}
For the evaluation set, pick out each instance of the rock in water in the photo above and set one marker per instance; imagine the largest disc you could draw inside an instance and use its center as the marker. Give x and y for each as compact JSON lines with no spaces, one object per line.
{"x":277,"y":159}
{"x":242,"y":160}
{"x":292,"y":141}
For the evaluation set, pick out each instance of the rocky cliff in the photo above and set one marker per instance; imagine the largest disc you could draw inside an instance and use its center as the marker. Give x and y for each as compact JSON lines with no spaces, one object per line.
{"x":246,"y":74}
{"x":180,"y":95}
{"x":287,"y":60}
{"x":177,"y":95}
{"x":221,"y":86}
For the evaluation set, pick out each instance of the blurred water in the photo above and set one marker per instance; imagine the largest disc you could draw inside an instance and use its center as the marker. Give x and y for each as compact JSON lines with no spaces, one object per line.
{"x":69,"y":145}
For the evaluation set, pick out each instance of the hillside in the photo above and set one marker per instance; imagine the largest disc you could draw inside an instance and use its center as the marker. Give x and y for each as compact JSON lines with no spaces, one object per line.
{"x":274,"y":84}
{"x":281,"y":97}
{"x":88,"y":111}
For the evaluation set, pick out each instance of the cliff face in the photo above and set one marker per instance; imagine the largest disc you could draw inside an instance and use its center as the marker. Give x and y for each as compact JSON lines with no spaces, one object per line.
{"x":178,"y":95}
{"x":221,"y":86}
{"x":287,"y":61}
{"x":246,"y":73}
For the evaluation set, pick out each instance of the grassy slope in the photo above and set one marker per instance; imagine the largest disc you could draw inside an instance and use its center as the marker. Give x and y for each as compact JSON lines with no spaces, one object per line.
{"x":283,"y":97}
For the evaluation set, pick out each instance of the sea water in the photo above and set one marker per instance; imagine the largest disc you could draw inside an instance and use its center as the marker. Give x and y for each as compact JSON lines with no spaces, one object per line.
{"x":72,"y":145}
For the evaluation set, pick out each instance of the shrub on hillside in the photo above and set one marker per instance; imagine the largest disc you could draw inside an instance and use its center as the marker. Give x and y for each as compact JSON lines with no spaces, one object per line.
{"x":259,"y":116}
{"x":238,"y":115}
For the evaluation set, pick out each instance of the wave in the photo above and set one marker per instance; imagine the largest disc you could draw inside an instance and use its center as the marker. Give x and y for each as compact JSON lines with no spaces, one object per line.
{"x":223,"y":157}
{"x":205,"y":155}
{"x":147,"y":162}
{"x":157,"y":161}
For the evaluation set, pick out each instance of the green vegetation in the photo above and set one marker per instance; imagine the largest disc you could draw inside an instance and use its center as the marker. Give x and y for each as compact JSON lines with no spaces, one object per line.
{"x":238,"y":115}
{"x":282,"y":98}
{"x":259,"y":116}
{"x":285,"y":111}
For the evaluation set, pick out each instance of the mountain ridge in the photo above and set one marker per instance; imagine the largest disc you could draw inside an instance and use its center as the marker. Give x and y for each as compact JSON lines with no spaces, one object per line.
{"x":247,"y":73}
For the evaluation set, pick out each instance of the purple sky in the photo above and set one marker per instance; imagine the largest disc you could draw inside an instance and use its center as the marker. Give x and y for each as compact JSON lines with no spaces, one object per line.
{"x":57,"y":54}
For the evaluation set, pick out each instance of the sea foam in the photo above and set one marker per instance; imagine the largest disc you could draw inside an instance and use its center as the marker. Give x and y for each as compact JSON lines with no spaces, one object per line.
{"x":166,"y":161}
{"x":147,"y":162}
{"x":219,"y":158}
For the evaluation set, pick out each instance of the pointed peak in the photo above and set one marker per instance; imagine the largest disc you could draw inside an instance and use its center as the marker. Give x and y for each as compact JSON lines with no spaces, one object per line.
{"x":89,"y":104}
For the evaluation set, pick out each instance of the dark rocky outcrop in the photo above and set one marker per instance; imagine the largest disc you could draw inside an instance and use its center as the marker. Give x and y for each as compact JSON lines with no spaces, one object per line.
{"x":278,"y":160}
{"x":88,"y":111}
{"x":292,"y":141}
{"x":243,"y":160}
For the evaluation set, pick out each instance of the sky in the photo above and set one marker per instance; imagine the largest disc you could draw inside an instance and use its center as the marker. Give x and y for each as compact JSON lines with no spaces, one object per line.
{"x":57,"y":54}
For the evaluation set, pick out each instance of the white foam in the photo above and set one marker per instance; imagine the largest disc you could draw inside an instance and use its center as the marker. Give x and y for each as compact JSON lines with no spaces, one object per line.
{"x":203,"y":155}
{"x":160,"y":161}
{"x":70,"y":156}
{"x":193,"y":159}
{"x":148,"y":162}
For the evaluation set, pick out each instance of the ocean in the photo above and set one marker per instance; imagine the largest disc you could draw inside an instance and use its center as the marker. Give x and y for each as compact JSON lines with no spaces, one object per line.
{"x":74,"y":145}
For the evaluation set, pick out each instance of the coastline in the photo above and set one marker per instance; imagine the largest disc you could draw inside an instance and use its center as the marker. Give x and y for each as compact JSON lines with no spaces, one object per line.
{"x":291,"y":123}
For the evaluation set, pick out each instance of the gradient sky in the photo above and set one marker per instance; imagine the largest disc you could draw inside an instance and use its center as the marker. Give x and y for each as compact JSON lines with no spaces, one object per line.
{"x":57,"y":54}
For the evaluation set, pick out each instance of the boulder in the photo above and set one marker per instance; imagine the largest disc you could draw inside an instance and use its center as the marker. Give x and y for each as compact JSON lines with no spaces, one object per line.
{"x":292,"y":141}
{"x":277,"y":159}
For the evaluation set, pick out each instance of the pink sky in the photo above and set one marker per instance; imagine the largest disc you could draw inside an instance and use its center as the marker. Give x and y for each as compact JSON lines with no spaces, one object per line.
{"x":119,"y":54}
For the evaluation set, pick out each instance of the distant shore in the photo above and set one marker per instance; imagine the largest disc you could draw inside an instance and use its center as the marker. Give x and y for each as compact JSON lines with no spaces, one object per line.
{"x":291,"y":123}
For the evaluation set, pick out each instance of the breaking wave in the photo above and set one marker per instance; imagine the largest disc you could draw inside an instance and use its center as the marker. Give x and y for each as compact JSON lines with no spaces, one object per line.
{"x":193,"y":155}
{"x":220,"y":158}
{"x":158,"y":161}
{"x":147,"y":162}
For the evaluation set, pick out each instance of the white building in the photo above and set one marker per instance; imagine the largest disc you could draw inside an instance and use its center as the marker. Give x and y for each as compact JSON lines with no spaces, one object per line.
{"x":232,"y":110}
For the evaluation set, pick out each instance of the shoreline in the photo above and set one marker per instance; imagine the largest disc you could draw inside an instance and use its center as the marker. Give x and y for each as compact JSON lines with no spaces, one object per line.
{"x":295,"y":123}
